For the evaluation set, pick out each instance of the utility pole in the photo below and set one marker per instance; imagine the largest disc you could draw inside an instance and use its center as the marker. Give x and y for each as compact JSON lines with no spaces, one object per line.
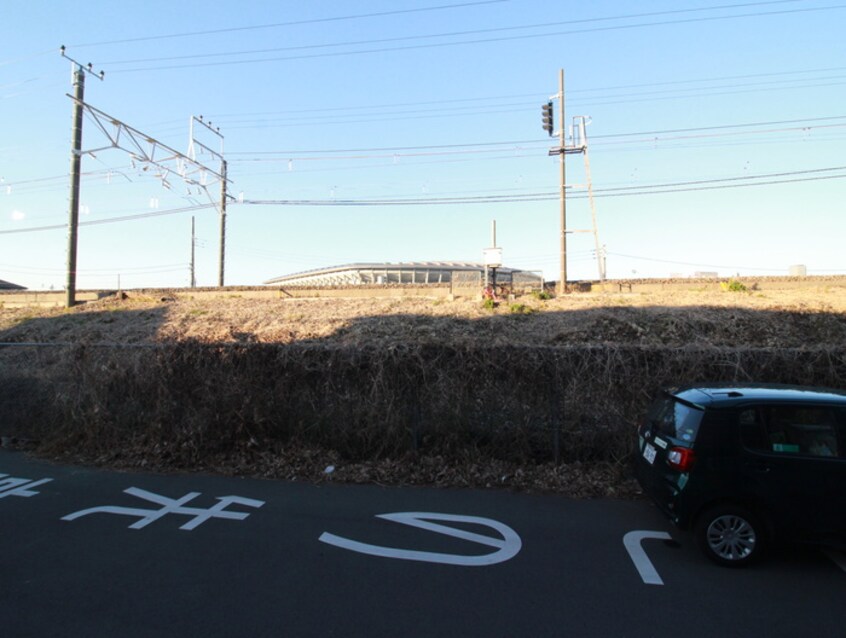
{"x":562,"y":277}
{"x":600,"y":256}
{"x":78,"y":81}
{"x":193,"y":244}
{"x":198,"y":147}
{"x":222,"y":222}
{"x":579,"y":146}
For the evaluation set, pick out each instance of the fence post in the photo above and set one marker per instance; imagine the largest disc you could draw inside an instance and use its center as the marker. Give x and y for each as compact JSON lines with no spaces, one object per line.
{"x":556,"y":412}
{"x":415,"y":417}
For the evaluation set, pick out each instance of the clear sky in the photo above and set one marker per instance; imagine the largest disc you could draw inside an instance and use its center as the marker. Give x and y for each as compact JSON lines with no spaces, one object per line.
{"x":716,"y":135}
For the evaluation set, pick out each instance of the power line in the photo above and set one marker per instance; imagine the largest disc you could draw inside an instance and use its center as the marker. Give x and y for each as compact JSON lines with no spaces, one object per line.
{"x":652,"y":189}
{"x":534,"y":96}
{"x":290,"y":153}
{"x":477,"y":147}
{"x":440,"y":35}
{"x":478,"y":41}
{"x":110,"y":220}
{"x":186,"y":34}
{"x":684,"y":263}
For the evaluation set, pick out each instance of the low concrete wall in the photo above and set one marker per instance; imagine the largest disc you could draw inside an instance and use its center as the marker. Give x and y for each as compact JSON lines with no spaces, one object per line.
{"x":56,"y":298}
{"x":46,"y":299}
{"x":751,"y":283}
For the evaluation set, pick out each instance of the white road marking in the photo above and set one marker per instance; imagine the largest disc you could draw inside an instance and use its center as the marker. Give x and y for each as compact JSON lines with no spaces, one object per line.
{"x":632,"y":542}
{"x":11,"y":486}
{"x":838,"y":557}
{"x":507,"y":547}
{"x":171,"y":506}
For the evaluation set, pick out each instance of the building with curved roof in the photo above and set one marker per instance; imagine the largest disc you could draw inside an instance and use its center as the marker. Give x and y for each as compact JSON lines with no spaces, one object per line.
{"x":5,"y":285}
{"x":424,"y":272}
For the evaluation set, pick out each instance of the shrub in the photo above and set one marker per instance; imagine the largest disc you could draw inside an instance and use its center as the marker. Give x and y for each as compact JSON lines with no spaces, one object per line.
{"x":520,"y":309}
{"x":732,"y":285}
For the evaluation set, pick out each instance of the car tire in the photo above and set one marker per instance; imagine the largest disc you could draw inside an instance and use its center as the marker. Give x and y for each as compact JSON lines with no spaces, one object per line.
{"x":730,"y":535}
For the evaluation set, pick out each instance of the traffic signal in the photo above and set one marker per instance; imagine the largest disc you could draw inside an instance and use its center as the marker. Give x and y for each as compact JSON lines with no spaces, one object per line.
{"x":548,"y":124}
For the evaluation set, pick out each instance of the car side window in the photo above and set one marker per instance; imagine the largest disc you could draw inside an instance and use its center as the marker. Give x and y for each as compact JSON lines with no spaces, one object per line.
{"x":752,"y":432}
{"x":805,"y":430}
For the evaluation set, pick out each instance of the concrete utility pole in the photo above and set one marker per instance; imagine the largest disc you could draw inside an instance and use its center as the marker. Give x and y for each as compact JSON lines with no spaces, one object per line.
{"x":78,"y":80}
{"x":562,"y":277}
{"x":222,"y":222}
{"x":579,"y":146}
{"x":193,"y":244}
{"x":600,"y":252}
{"x":198,"y":147}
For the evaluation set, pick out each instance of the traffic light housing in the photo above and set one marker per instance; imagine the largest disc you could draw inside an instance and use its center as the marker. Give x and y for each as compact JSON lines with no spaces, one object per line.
{"x":548,"y":124}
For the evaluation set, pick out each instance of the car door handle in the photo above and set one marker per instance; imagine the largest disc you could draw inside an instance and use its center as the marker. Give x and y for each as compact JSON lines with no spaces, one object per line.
{"x":759,"y":466}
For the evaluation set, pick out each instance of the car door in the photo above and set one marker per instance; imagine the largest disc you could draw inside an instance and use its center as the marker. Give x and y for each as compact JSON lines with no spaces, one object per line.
{"x":791,"y":462}
{"x":835,"y":472}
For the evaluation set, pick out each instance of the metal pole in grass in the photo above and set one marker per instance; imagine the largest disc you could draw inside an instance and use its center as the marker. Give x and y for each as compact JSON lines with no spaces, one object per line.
{"x":415,"y":419}
{"x":556,"y":414}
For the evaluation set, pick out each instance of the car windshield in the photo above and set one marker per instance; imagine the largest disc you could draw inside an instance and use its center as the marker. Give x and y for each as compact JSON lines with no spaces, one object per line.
{"x":673,"y":418}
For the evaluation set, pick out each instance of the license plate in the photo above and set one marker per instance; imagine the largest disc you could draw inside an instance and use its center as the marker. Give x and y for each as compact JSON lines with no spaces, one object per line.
{"x":649,"y":453}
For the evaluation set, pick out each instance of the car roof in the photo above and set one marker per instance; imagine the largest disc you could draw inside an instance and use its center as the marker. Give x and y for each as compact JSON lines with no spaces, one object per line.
{"x":725,"y":395}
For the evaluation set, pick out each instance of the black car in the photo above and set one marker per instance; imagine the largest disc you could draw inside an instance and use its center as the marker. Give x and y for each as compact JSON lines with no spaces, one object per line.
{"x":746,"y":466}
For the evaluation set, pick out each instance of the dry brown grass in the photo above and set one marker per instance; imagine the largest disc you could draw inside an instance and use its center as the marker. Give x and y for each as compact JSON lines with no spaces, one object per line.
{"x":403,"y":390}
{"x":773,"y":318}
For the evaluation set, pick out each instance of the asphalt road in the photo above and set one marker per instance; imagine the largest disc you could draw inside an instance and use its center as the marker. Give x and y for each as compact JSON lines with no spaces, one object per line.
{"x":96,"y":553}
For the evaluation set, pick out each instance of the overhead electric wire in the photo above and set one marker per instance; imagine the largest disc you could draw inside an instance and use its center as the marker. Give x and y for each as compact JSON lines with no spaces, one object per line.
{"x":99,"y":272}
{"x":650,"y":189}
{"x":684,"y":263}
{"x":476,"y":41}
{"x":292,"y":154}
{"x":109,"y":220}
{"x":448,"y":34}
{"x":378,"y":14}
{"x":487,"y":99}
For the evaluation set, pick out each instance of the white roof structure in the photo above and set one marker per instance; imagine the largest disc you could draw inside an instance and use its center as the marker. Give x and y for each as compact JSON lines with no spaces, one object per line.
{"x":364,"y":274}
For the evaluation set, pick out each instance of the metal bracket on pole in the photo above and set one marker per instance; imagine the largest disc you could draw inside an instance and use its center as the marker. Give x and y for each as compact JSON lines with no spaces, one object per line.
{"x":144,"y":149}
{"x":581,"y":146}
{"x":195,"y":147}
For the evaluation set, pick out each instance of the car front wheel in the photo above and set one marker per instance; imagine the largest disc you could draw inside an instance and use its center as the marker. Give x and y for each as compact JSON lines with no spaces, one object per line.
{"x":730,"y":536}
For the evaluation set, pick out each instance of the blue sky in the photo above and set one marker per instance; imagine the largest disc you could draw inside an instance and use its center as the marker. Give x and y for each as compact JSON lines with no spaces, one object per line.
{"x":737,"y":109}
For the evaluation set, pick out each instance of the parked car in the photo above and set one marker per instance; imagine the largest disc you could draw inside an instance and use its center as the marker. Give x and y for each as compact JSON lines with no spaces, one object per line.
{"x":746,"y":466}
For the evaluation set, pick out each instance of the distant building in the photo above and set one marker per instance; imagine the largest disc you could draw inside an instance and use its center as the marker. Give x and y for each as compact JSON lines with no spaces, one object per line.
{"x":798,"y":270}
{"x":705,"y":274}
{"x":5,"y":285}
{"x":428,"y":272}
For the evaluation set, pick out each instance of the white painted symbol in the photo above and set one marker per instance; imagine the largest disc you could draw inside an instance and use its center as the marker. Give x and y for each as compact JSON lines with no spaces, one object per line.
{"x":172,"y":506}
{"x":641,"y":561}
{"x":507,"y":547}
{"x":10,"y":486}
{"x":838,"y":557}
